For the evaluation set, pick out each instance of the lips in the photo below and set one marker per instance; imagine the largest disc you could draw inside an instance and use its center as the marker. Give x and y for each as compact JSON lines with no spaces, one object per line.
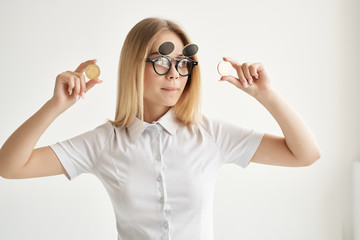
{"x":170,"y":89}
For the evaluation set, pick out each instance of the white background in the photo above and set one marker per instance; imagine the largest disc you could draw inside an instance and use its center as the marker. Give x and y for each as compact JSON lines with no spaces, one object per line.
{"x":309,"y":49}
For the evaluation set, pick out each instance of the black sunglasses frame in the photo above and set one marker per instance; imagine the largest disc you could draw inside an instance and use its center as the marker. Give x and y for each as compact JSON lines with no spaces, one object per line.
{"x":153,"y":60}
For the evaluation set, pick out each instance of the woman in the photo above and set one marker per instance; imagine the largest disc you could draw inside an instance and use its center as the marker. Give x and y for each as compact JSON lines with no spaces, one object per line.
{"x":159,"y":158}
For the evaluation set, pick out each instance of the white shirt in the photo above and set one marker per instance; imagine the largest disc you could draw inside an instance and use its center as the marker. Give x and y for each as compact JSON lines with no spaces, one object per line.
{"x":160,"y":176}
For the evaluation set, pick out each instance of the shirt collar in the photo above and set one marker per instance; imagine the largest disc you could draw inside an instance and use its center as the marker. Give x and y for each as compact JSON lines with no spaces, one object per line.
{"x":168,"y":121}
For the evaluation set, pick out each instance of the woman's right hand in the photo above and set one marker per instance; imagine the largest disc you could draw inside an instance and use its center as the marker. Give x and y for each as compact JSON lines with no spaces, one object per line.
{"x":70,"y":86}
{"x":18,"y":158}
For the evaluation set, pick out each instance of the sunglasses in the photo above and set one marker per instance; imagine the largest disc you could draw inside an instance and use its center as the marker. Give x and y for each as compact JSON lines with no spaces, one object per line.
{"x":163,"y":64}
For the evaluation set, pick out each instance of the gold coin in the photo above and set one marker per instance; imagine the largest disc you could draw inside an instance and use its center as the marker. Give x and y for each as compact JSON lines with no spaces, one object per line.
{"x":224,"y":68}
{"x":92,"y":71}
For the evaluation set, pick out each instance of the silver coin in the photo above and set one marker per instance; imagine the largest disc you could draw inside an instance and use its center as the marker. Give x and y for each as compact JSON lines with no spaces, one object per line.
{"x":224,"y":68}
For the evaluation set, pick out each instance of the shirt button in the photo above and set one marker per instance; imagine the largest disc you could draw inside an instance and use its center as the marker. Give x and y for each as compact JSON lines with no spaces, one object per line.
{"x":166,"y":224}
{"x":159,"y":178}
{"x":158,"y":158}
{"x":161,"y":200}
{"x":168,"y":213}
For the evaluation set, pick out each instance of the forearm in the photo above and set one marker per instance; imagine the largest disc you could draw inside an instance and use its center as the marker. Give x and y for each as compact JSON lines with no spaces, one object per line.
{"x":297,"y":134}
{"x":18,"y":148}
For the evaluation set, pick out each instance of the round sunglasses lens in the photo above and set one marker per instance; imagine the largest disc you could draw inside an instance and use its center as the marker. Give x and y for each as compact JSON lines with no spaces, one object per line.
{"x":184,"y":67}
{"x":162,"y":65}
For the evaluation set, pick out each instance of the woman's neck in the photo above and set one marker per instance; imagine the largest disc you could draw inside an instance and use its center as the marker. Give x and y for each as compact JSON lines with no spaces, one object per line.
{"x":154,"y":113}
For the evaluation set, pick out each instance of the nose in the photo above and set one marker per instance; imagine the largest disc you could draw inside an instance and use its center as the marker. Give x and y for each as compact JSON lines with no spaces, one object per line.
{"x":173,"y":73}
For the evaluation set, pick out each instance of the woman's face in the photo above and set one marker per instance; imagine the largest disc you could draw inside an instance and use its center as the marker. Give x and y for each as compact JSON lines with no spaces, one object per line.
{"x":163,"y":90}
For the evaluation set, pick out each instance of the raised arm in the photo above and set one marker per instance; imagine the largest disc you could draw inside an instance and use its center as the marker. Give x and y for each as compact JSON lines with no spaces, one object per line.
{"x":298,"y":146}
{"x":18,"y":158}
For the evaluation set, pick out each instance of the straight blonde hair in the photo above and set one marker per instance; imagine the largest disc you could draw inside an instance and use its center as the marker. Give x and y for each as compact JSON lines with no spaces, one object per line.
{"x":130,"y":90}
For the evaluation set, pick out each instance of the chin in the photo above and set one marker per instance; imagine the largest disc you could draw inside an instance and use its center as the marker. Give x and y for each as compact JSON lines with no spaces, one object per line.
{"x":170,"y":103}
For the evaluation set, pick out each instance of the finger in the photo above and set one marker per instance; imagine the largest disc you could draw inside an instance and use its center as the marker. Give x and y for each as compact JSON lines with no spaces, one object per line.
{"x":233,"y":80}
{"x":77,"y":86}
{"x":246,"y":71}
{"x":255,"y":69}
{"x":238,"y":69}
{"x":71,"y":85}
{"x":82,"y":66}
{"x":82,"y":83}
{"x":79,"y":75}
{"x":91,"y":83}
{"x":83,"y":87}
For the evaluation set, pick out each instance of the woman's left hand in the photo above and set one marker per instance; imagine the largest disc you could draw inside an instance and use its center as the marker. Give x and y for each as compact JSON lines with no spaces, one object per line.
{"x":252,"y":77}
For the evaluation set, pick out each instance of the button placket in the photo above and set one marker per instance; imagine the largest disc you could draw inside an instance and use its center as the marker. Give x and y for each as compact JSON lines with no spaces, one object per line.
{"x":166,"y":224}
{"x":158,"y":160}
{"x":161,"y":184}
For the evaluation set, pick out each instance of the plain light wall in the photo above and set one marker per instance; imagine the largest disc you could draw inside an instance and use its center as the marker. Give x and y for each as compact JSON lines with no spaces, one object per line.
{"x":299,"y":43}
{"x":349,"y":117}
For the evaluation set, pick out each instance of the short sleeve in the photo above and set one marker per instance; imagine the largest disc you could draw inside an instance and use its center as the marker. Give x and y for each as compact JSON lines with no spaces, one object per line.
{"x":79,"y":154}
{"x":236,"y":144}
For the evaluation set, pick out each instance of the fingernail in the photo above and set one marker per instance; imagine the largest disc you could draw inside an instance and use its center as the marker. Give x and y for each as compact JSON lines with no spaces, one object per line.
{"x":70,"y":92}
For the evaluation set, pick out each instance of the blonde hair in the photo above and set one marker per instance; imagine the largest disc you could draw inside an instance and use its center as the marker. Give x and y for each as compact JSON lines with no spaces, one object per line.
{"x":136,"y":47}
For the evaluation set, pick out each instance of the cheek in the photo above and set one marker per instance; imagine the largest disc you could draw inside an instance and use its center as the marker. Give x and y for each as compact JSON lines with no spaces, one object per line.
{"x":184,"y":80}
{"x":148,"y":73}
{"x":149,"y":76}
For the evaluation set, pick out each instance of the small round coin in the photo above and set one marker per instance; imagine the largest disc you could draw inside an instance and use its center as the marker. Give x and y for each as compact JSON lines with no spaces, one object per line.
{"x":92,"y":71}
{"x":224,"y":68}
